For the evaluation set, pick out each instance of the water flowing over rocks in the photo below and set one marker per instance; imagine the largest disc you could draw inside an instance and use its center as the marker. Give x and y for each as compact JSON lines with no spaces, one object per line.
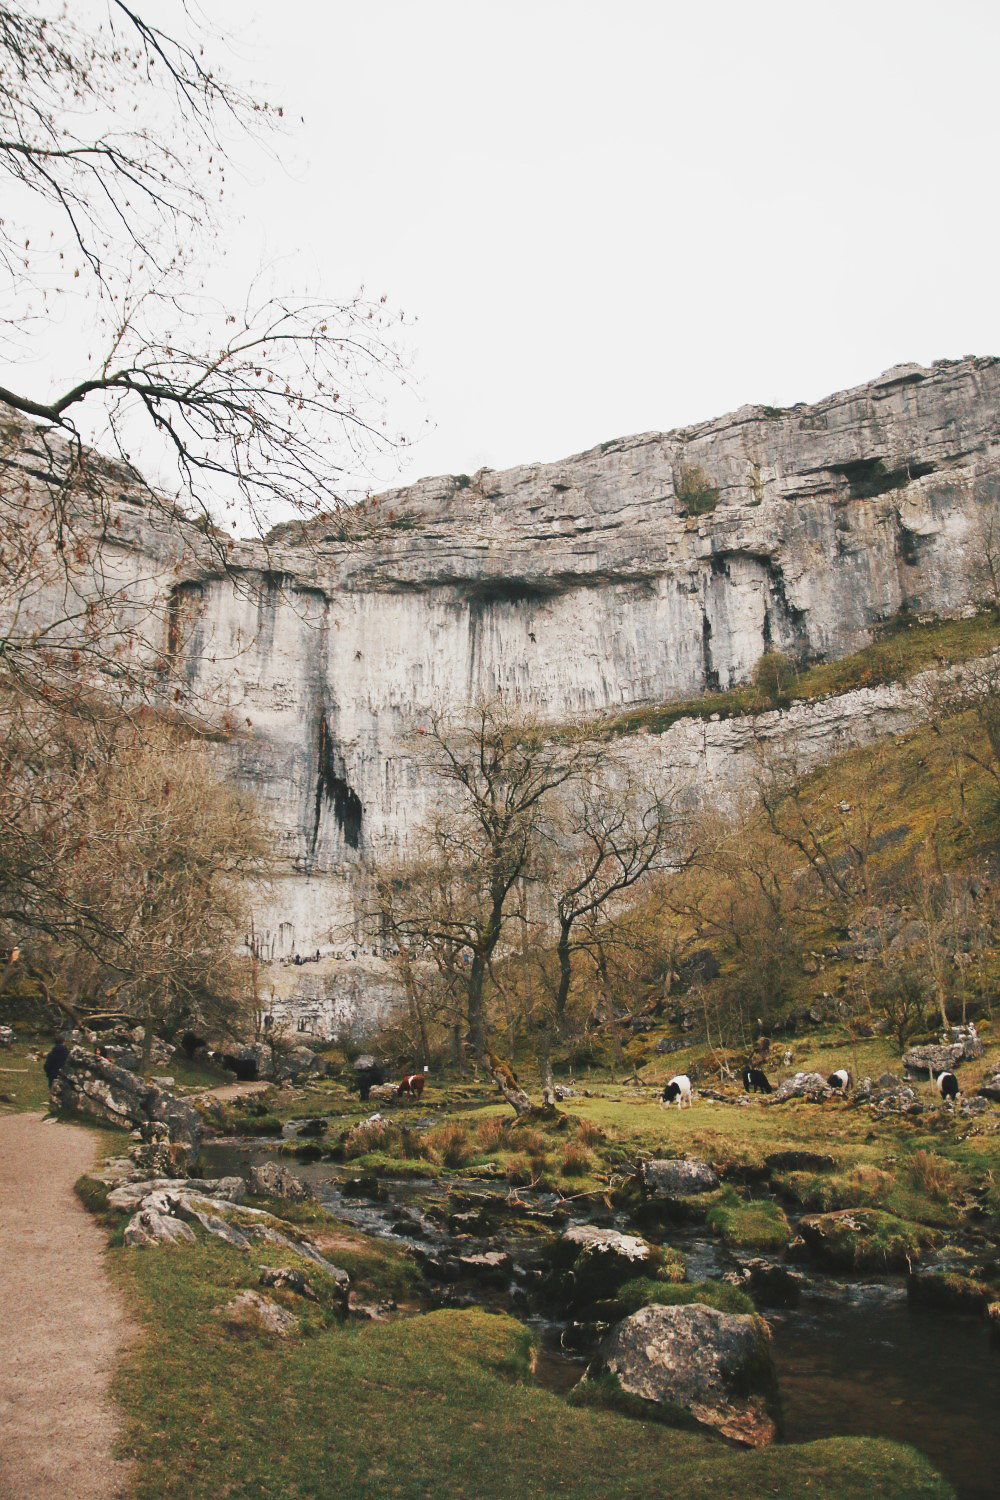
{"x":716,"y":1366}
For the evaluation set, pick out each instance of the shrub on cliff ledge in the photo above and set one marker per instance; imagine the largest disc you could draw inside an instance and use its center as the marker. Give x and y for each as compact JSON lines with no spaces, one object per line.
{"x":697,"y":494}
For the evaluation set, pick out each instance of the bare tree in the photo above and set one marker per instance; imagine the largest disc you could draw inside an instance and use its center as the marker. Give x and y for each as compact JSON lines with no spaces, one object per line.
{"x":609,"y":834}
{"x":133,"y":872}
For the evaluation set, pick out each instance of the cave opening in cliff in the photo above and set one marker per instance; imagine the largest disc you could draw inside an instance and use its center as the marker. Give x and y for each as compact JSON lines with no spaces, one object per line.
{"x":333,"y":790}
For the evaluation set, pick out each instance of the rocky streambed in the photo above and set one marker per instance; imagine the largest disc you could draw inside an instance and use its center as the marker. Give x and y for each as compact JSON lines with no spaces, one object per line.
{"x":851,"y":1354}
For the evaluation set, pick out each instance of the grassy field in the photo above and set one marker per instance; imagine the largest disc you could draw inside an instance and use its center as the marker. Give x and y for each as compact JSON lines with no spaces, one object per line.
{"x":23,"y":1085}
{"x":441,"y":1405}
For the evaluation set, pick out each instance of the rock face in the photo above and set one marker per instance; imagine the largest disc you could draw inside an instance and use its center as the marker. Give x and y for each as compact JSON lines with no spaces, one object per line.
{"x":715,"y":1365}
{"x":649,"y":568}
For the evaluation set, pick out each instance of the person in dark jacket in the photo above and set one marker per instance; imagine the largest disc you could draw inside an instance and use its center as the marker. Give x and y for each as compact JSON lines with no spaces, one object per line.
{"x":54,"y":1062}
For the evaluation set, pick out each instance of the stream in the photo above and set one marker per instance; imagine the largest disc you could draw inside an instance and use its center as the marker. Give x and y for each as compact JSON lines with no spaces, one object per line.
{"x":852,"y":1359}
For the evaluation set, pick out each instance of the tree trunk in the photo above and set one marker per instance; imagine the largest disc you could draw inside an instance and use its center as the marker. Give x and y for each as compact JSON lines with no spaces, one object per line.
{"x":413,"y":1000}
{"x":477,"y":1029}
{"x":508,"y":1085}
{"x":545,"y":1071}
{"x":565,"y":970}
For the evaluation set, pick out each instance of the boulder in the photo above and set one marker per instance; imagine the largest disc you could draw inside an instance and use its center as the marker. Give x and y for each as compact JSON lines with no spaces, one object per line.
{"x":6,"y":1036}
{"x":990,"y":1087}
{"x":928,"y":1062}
{"x":716,"y":1366}
{"x":862,"y":1239}
{"x":768,"y":1283}
{"x":678,"y":1178}
{"x":252,"y":1313}
{"x":148,"y":1227}
{"x":97,"y":1086}
{"x":948,"y":1291}
{"x":287,"y":1279}
{"x":801,"y":1086}
{"x":597,"y":1261}
{"x":274,"y":1181}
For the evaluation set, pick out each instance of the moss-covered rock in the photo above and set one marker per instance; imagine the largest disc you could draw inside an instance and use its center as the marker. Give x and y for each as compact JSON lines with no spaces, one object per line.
{"x":753,"y":1224}
{"x":949,"y":1291}
{"x":864,"y":1239}
{"x":715,"y":1366}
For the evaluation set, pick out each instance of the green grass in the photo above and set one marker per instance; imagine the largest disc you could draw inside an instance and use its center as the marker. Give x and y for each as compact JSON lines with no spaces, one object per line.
{"x":645,"y":1291}
{"x":22,"y":1080}
{"x":435,"y":1406}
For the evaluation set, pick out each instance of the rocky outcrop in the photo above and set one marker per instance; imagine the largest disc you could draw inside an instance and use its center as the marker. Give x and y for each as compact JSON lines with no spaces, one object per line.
{"x":274,"y":1181}
{"x":96,"y":1086}
{"x":801,"y":1086}
{"x":716,"y":1366}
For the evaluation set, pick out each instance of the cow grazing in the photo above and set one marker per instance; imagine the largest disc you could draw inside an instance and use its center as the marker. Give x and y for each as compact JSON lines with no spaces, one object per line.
{"x":755,"y":1082}
{"x":412,"y":1085}
{"x":366,"y":1079}
{"x":839,"y":1080}
{"x":678,"y":1088}
{"x":947,"y":1086}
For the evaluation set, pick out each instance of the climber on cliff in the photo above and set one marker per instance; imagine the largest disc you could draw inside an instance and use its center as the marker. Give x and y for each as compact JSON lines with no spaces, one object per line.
{"x":53,"y":1064}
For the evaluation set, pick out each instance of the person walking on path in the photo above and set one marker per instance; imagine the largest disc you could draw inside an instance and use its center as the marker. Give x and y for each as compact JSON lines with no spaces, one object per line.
{"x":53,"y":1064}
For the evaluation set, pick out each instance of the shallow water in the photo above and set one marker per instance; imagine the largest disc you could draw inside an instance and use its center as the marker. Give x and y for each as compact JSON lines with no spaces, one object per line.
{"x":860,"y":1363}
{"x":852,"y":1359}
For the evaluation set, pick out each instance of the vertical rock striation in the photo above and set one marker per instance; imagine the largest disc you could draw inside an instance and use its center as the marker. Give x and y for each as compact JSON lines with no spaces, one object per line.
{"x":650,"y":568}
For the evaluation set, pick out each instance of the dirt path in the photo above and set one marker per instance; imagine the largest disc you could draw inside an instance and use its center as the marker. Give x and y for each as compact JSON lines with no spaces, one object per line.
{"x":231,"y":1091}
{"x":61,"y":1325}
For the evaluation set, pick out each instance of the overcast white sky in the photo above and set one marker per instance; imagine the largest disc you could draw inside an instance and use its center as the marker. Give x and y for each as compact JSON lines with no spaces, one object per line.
{"x":615,"y":218}
{"x":610,"y":219}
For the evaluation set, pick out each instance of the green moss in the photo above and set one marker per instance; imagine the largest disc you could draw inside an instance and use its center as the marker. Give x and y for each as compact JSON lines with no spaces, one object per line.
{"x":865,"y":1239}
{"x":643,"y":1291}
{"x":756,"y":1224}
{"x":604,"y":1392}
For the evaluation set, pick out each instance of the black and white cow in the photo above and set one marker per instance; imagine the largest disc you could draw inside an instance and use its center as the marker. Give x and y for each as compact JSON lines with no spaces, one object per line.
{"x":839,"y":1080}
{"x":755,"y":1082}
{"x":947,"y":1086}
{"x":678,"y":1088}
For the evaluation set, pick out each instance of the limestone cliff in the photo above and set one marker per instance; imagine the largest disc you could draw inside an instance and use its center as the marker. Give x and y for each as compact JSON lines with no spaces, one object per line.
{"x":649,"y":568}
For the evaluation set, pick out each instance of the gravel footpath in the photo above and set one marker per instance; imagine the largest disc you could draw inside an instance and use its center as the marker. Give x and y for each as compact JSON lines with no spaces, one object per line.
{"x":62,"y":1325}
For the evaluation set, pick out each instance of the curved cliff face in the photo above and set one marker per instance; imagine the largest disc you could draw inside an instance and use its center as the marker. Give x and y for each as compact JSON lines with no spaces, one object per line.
{"x":653,"y":567}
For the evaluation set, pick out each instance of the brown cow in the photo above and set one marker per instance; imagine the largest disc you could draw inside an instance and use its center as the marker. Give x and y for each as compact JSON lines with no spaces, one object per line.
{"x":412,"y":1084}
